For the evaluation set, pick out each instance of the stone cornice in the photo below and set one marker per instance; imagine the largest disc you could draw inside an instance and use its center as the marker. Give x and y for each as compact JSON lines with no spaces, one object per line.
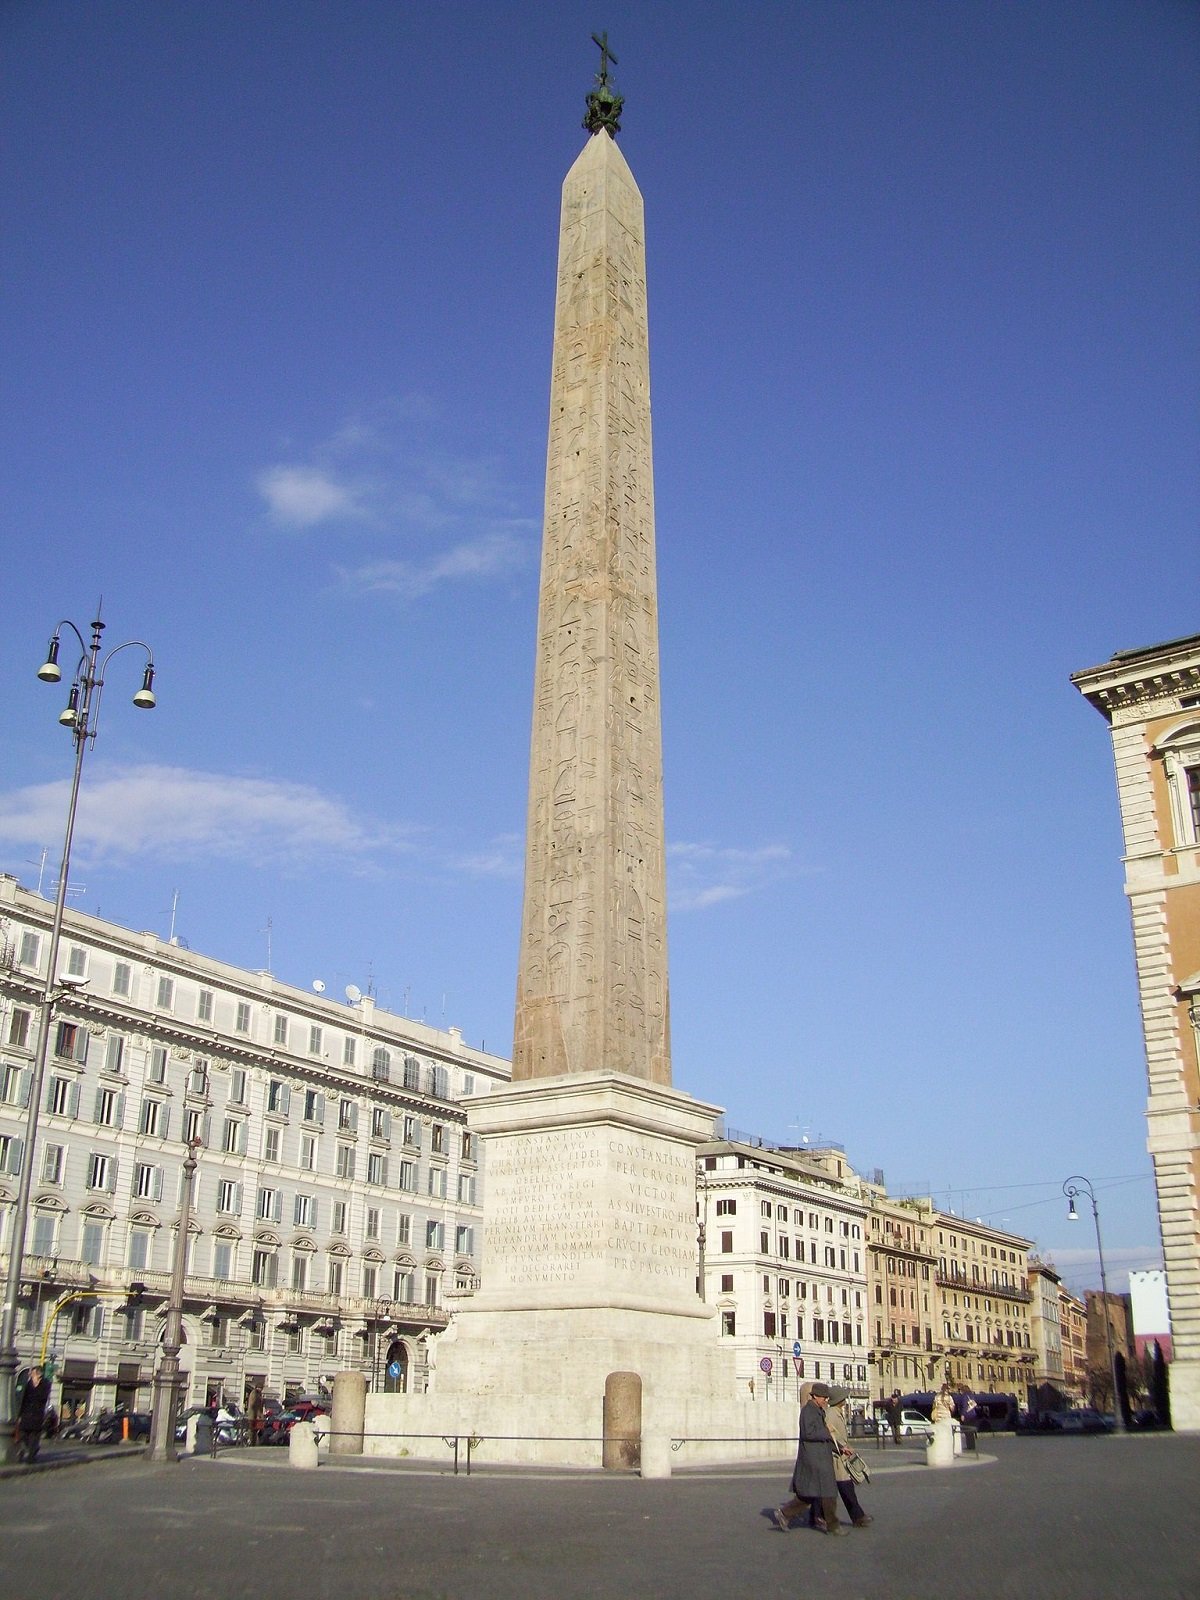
{"x":1143,"y":681}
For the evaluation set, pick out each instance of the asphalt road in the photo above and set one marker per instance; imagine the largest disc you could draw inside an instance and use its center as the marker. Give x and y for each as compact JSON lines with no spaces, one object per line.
{"x":1067,"y":1518}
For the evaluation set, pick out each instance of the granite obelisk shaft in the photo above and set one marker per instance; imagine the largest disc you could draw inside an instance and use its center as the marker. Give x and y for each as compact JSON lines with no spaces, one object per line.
{"x":592,"y":977}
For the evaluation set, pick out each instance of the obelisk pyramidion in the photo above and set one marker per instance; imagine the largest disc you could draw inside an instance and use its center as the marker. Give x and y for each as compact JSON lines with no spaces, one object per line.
{"x":592,"y":979}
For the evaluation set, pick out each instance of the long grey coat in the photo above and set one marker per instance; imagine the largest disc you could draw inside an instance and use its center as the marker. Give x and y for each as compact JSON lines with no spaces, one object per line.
{"x":813,"y":1477}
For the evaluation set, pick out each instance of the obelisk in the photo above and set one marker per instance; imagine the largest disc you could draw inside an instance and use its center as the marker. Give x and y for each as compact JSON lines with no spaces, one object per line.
{"x":592,"y":976}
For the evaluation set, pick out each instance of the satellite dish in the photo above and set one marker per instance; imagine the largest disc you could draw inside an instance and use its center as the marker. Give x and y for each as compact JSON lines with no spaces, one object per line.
{"x":318,"y":985}
{"x":353,"y":993}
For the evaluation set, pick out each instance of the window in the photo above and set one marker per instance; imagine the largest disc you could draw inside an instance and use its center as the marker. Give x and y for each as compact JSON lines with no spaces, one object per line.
{"x":464,"y":1240}
{"x":204,"y":1006}
{"x":765,"y":1208}
{"x":91,"y":1244}
{"x":1180,"y":753}
{"x":76,"y":962}
{"x":437,"y":1139}
{"x":345,"y":1161}
{"x":299,"y":1269}
{"x":372,"y":1222}
{"x":412,"y":1073}
{"x":348,"y":1051}
{"x":264,"y":1268}
{"x":334,"y":1275}
{"x":45,"y":1226}
{"x":295,"y":1342}
{"x":269,"y":1205}
{"x":308,"y":1151}
{"x":377,"y":1168}
{"x":381,"y":1065}
{"x":222,"y":1259}
{"x":233,"y":1136}
{"x":469,"y":1150}
{"x":18,"y":1028}
{"x":62,"y":1097}
{"x":237,"y":1086}
{"x":11,"y":1149}
{"x":314,"y":1106}
{"x":31,"y":948}
{"x":271,"y":1138}
{"x":728,"y":1324}
{"x":304,"y":1211}
{"x":229,"y":1197}
{"x":404,"y":1286}
{"x":281,"y":1029}
{"x":279,"y":1097}
{"x":139,"y":1250}
{"x":369,"y":1276}
{"x":147,"y":1181}
{"x":197,"y":1080}
{"x":53,"y":1162}
{"x":466,"y":1188}
{"x":71,"y":1042}
{"x":381,"y":1122}
{"x":727,"y":1208}
{"x":408,"y":1176}
{"x":315,"y":1040}
{"x":404,"y":1229}
{"x":165,"y":997}
{"x":14,"y":1085}
{"x":154,"y":1118}
{"x":468,"y":1083}
{"x":412,"y":1133}
{"x":764,"y":1243}
{"x":726,"y":1243}
{"x":347,"y":1116}
{"x":435,"y":1235}
{"x":101,"y":1172}
{"x":727,"y":1283}
{"x":195,"y":1125}
{"x":114,"y":1053}
{"x":110,"y":1108}
{"x":437,"y":1182}
{"x":433,"y":1289}
{"x":769,"y":1324}
{"x":123,"y":979}
{"x":241,"y":1022}
{"x":337,"y":1222}
{"x":157,"y":1070}
{"x":439,"y":1083}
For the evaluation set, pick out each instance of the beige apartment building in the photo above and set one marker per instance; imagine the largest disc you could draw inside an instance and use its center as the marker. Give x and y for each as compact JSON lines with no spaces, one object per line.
{"x":1072,"y":1317}
{"x":1150,"y":699}
{"x":906,"y":1346}
{"x":337,"y":1205}
{"x":984,"y":1306}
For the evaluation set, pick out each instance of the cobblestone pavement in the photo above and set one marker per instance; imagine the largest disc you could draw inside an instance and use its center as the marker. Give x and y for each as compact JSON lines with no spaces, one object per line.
{"x":1068,"y":1518}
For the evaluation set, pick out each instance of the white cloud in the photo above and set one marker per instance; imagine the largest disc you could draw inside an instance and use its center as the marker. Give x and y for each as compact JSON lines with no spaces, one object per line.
{"x":302,"y":497}
{"x":174,"y":812}
{"x":704,"y":875}
{"x":493,"y":555}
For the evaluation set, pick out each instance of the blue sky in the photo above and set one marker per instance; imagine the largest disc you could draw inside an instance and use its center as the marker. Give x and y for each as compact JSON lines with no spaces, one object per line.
{"x":277,"y":287}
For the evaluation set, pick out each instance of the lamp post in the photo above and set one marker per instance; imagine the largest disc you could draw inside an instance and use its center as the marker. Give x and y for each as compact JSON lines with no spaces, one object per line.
{"x":81,"y":717}
{"x":1072,"y":1187}
{"x":166,"y":1379}
{"x":383,"y":1308}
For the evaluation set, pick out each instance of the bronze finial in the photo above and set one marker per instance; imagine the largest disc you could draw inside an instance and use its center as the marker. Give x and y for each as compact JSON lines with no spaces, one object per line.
{"x":604,"y":103}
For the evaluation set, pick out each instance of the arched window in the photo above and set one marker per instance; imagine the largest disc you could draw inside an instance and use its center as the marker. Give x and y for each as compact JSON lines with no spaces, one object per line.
{"x":381,"y":1064}
{"x":1179,"y":751}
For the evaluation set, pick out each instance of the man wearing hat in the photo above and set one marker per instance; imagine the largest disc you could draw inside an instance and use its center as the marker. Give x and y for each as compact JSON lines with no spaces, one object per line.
{"x":835,"y":1421}
{"x":813,"y":1482}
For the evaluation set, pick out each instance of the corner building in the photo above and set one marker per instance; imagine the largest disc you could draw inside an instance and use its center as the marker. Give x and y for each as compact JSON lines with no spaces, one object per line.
{"x":338,"y":1196}
{"x":1150,"y":699}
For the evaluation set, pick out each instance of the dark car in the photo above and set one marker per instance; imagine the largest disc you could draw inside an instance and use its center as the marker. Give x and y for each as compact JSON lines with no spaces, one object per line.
{"x":118,"y":1427}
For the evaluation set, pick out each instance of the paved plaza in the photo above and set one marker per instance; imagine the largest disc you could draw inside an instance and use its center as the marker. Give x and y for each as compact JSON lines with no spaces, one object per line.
{"x":1072,"y":1519}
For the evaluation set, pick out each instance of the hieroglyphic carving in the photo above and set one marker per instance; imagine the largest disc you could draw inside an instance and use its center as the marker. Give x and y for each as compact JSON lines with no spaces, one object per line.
{"x":592,"y":983}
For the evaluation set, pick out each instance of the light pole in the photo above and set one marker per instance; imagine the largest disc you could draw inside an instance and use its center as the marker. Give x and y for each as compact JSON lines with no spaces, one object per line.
{"x":1080,"y":1185}
{"x":166,"y":1379}
{"x":383,"y":1308}
{"x":81,"y":716}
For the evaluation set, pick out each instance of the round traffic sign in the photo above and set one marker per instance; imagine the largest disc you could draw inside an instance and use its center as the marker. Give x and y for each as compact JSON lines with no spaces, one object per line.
{"x":765,"y":1365}
{"x":796,"y":1347}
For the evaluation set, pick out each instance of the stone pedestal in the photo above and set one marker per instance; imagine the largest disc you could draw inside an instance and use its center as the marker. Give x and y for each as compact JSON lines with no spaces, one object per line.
{"x":302,"y":1446}
{"x":940,"y":1452}
{"x":349,"y":1410}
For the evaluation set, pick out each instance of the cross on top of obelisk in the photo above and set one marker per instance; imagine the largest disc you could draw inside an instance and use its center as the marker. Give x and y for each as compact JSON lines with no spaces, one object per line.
{"x":604,"y":103}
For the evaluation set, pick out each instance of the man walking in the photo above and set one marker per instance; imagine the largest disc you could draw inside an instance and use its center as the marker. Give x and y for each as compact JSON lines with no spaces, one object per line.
{"x":813,"y":1483}
{"x":31,"y":1415}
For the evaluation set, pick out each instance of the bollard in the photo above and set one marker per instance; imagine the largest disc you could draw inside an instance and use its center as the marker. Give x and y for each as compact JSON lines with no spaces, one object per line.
{"x":941,"y":1451}
{"x":656,"y":1455}
{"x":348,"y":1422}
{"x":302,"y":1447}
{"x":192,"y":1424}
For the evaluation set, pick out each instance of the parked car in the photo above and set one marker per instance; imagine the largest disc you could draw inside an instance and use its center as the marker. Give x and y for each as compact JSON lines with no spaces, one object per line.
{"x":915,"y":1424}
{"x":277,"y":1429}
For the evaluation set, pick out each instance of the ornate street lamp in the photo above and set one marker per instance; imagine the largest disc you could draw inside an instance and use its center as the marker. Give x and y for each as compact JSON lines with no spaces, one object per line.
{"x":166,"y":1379}
{"x":1072,"y":1187}
{"x":81,"y":716}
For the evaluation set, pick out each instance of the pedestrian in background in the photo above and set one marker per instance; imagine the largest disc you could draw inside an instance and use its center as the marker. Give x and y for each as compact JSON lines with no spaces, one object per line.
{"x":31,"y":1414}
{"x":813,"y":1481}
{"x":843,"y":1452}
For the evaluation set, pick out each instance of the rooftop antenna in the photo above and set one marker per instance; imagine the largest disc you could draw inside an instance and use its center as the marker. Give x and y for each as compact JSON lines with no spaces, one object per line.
{"x":41,"y":866}
{"x":353,"y":993}
{"x":174,"y":908}
{"x":371,"y":979}
{"x":268,"y":931}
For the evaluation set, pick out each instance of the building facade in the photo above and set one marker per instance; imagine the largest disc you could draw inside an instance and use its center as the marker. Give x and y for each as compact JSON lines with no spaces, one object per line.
{"x":906,"y":1345}
{"x":984,"y":1305}
{"x":1046,"y":1319}
{"x":784,"y":1262}
{"x":1150,"y":699}
{"x":1072,"y":1317}
{"x":337,"y":1204}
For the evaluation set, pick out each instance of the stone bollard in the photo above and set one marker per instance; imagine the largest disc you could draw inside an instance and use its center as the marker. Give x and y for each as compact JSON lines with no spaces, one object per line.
{"x":656,"y":1455}
{"x":941,"y":1451}
{"x":622,"y":1420}
{"x":349,"y":1414}
{"x":302,"y":1446}
{"x":192,"y":1425}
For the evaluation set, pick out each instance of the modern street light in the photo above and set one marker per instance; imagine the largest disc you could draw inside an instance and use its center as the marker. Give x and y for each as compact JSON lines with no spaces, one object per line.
{"x":166,"y":1379}
{"x":1072,"y":1187}
{"x":81,"y":716}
